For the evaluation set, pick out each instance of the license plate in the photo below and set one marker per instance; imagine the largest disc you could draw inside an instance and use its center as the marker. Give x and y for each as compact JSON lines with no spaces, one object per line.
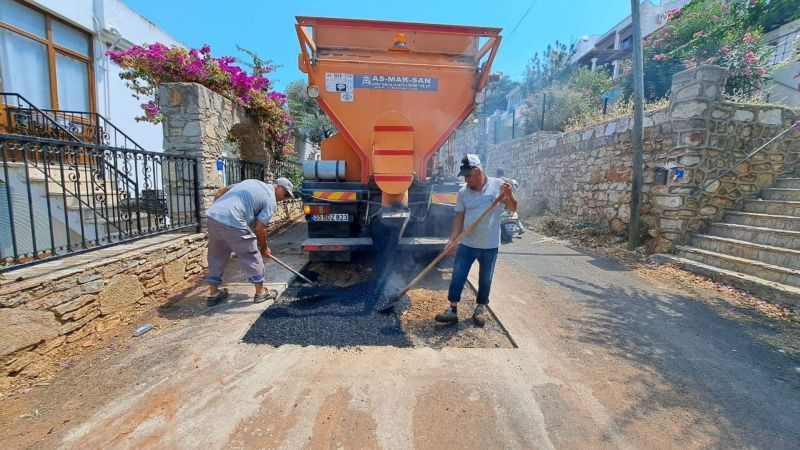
{"x":331,"y":218}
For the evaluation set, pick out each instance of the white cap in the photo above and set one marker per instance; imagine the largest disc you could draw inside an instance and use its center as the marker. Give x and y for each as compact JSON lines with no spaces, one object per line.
{"x":468,"y":162}
{"x":286,"y":184}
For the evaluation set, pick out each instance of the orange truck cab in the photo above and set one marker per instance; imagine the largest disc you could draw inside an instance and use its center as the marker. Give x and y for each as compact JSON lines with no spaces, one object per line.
{"x":396,"y":91}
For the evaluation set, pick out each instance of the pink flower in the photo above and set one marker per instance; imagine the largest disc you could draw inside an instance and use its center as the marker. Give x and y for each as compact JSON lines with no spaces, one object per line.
{"x":277,"y":96}
{"x":761,"y":71}
{"x":748,"y":38}
{"x":711,"y":60}
{"x":660,"y":57}
{"x":689,"y":64}
{"x":725,"y":50}
{"x":750,"y":58}
{"x":715,"y":19}
{"x":672,"y":14}
{"x":151,"y":111}
{"x":699,"y":34}
{"x":724,"y":8}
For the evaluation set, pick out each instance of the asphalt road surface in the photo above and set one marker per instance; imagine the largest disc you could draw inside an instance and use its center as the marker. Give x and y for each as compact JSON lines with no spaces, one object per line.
{"x":604,"y":359}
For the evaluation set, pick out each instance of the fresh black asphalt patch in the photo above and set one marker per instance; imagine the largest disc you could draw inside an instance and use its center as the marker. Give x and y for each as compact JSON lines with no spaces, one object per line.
{"x":327,"y":316}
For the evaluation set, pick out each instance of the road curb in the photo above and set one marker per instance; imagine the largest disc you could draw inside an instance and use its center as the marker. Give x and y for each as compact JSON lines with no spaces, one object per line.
{"x":474,"y":285}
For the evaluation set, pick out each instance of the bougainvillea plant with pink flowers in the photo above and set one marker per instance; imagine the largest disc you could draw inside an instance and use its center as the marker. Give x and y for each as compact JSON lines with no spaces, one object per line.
{"x":146,"y":67}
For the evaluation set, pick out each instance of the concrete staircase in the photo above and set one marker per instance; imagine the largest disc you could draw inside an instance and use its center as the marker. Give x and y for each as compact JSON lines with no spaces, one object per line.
{"x":757,"y":248}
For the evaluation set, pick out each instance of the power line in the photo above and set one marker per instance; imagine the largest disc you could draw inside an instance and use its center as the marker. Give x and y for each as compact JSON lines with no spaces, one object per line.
{"x":522,"y":18}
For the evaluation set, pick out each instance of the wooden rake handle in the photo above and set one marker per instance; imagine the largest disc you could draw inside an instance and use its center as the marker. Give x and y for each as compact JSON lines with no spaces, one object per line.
{"x":457,"y":240}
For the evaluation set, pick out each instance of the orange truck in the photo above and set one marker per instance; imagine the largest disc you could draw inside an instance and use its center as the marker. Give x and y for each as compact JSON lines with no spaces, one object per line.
{"x":396,"y":91}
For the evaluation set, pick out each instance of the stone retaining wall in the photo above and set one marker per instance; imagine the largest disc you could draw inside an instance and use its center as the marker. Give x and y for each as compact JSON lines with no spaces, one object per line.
{"x":47,"y":306}
{"x":288,"y":211}
{"x":586,"y":173}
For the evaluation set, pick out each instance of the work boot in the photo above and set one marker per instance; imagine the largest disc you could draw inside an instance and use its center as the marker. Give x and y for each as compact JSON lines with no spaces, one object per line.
{"x":221,"y":296}
{"x":448,"y":316}
{"x":479,"y":316}
{"x":266,"y":294}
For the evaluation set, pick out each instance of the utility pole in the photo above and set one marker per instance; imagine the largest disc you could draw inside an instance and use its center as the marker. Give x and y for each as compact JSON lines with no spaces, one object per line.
{"x":638,"y":118}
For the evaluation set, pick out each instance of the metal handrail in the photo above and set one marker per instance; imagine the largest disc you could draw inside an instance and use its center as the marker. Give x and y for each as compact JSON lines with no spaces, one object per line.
{"x":46,"y":113}
{"x":237,"y":170}
{"x":695,"y":193}
{"x":106,"y":122}
{"x":43,"y":114}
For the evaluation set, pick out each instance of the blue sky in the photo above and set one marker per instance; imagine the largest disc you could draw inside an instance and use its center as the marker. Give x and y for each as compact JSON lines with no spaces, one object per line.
{"x":267,"y":27}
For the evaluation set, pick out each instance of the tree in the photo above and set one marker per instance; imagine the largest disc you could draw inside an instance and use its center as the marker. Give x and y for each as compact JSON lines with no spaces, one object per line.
{"x":308,"y":116}
{"x":770,"y":14}
{"x":497,"y":94}
{"x":554,"y":65}
{"x":257,"y":65}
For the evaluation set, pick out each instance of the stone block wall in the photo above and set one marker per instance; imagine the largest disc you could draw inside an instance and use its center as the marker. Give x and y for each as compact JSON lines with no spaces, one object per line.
{"x":586,"y":173}
{"x":47,"y":306}
{"x":288,"y":211}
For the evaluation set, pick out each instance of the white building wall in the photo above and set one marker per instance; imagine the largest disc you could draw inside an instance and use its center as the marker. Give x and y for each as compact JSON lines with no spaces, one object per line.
{"x":783,"y":88}
{"x":113,"y":98}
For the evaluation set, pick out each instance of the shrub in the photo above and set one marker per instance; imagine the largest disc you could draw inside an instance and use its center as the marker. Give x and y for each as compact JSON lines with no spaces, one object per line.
{"x":618,"y":109}
{"x":581,"y":95}
{"x":554,"y":66}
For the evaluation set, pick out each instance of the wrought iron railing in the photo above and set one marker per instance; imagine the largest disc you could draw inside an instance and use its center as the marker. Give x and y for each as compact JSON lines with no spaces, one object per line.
{"x":93,"y":128}
{"x":19,"y":116}
{"x":59,"y":198}
{"x":288,"y":168}
{"x":235,"y":170}
{"x":22,"y":117}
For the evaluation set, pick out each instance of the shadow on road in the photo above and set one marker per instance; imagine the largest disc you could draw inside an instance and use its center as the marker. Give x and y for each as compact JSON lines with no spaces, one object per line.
{"x":709,"y":361}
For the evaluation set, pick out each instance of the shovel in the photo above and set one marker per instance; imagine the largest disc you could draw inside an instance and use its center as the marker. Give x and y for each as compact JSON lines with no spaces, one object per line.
{"x":389,"y":302}
{"x":287,"y":267}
